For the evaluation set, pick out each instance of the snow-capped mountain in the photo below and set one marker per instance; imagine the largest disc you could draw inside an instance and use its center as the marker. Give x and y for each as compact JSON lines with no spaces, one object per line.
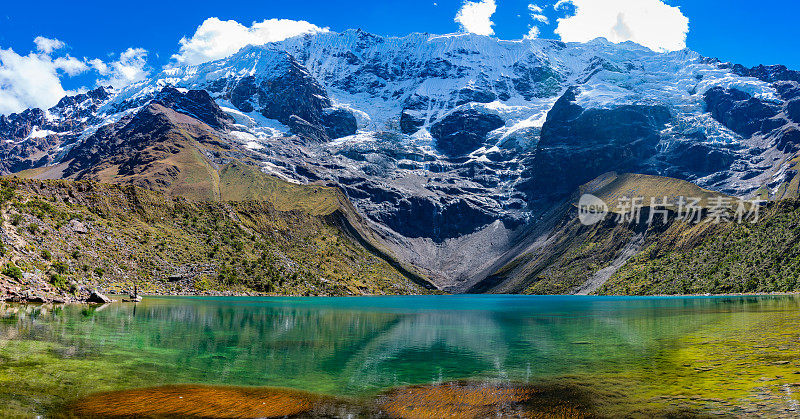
{"x":453,"y":145}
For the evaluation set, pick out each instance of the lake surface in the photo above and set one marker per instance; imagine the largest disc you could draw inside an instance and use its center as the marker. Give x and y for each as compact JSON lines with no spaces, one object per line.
{"x":627,"y":356}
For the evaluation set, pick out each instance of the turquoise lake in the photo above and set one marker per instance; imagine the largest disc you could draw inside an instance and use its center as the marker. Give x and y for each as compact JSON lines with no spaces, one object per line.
{"x":632,"y":356}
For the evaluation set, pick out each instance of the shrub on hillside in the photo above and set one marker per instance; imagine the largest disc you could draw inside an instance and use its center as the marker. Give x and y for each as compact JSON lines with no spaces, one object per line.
{"x":12,"y":271}
{"x":59,"y":282}
{"x":60,"y":267}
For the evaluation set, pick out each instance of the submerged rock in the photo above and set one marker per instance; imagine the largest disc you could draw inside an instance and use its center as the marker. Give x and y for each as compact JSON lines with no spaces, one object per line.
{"x":455,"y":399}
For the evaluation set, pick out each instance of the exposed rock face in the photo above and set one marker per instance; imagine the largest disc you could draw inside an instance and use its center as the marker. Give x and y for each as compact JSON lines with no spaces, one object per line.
{"x":34,"y":137}
{"x":338,"y":122}
{"x":435,"y":220}
{"x":67,"y":115}
{"x":742,"y":113}
{"x":120,"y":142}
{"x":16,"y":126}
{"x":793,"y":110}
{"x":464,"y":130}
{"x":767,"y":73}
{"x":195,"y":103}
{"x":470,"y":95}
{"x":579,"y":144}
{"x":286,"y":93}
{"x":536,"y":79}
{"x":788,"y":140}
{"x":701,"y":159}
{"x":410,"y":121}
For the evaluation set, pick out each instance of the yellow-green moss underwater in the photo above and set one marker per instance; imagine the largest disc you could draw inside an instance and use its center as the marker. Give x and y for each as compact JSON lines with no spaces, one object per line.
{"x":64,"y":237}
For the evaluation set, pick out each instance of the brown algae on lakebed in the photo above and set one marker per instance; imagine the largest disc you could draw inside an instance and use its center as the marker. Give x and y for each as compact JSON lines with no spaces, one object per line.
{"x":479,"y":400}
{"x":195,"y":401}
{"x":455,"y":399}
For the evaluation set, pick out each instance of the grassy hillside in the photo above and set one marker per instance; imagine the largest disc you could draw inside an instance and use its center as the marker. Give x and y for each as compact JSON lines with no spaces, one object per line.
{"x":79,"y":235}
{"x":611,"y":187}
{"x":185,"y":161}
{"x":561,"y":261}
{"x":673,"y":258}
{"x":725,"y":258}
{"x":242,"y":182}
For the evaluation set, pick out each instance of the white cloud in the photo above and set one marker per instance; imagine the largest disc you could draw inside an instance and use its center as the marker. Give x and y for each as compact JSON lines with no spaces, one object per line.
{"x":34,"y":80}
{"x":47,"y":45}
{"x":651,"y":23}
{"x":533,"y":33}
{"x":100,"y":66}
{"x":29,"y":81}
{"x":536,"y":14}
{"x":476,"y":17}
{"x":215,"y":39}
{"x":538,"y":17}
{"x":70,"y":65}
{"x":129,"y":68}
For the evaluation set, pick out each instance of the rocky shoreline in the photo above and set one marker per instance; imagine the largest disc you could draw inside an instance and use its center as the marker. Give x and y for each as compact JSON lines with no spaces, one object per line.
{"x":40,"y":292}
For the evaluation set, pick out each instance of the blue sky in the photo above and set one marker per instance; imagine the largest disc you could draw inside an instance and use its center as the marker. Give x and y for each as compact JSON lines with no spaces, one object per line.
{"x":740,"y":31}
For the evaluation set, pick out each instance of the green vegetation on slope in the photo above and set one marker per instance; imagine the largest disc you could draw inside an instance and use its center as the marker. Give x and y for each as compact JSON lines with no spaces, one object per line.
{"x":673,"y":258}
{"x":725,"y":258}
{"x":78,"y":235}
{"x":585,"y":252}
{"x":611,"y":187}
{"x":242,"y":182}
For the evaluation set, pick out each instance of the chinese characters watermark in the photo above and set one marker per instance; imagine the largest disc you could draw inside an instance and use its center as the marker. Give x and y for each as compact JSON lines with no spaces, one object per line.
{"x":714,"y":209}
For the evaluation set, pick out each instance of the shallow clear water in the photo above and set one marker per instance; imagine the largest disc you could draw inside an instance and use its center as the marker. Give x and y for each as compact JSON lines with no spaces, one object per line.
{"x":719,"y":354}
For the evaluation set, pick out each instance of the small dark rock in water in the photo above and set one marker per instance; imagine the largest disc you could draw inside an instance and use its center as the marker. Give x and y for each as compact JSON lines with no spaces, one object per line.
{"x":36,"y":299}
{"x":98,"y":298}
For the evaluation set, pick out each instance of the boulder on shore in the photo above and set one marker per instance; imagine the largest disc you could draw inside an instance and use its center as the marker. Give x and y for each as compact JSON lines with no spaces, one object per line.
{"x":78,"y":227}
{"x":97,"y":298}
